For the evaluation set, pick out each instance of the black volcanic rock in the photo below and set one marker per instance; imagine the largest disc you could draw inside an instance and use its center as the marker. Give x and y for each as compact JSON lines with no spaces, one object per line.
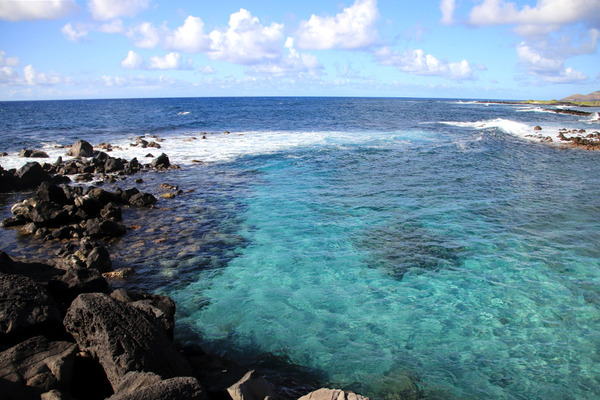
{"x":123,"y":338}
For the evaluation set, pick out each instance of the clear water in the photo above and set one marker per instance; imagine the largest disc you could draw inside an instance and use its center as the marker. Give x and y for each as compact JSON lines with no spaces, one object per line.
{"x":367,"y":240}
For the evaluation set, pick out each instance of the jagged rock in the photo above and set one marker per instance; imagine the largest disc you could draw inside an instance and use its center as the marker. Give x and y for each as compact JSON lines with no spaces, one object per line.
{"x":332,"y":394}
{"x":169,"y":389}
{"x":537,"y":128}
{"x":25,"y":306}
{"x":112,"y":212}
{"x":88,"y":204}
{"x":49,"y":192}
{"x":161,"y":161}
{"x":122,"y":337}
{"x":127,"y":194}
{"x":35,"y":366}
{"x":252,"y":386}
{"x":81,"y":149}
{"x":47,"y":213}
{"x":161,"y":307}
{"x":97,"y":228}
{"x":114,"y":165}
{"x":142,"y":200}
{"x":31,"y":175}
{"x":102,"y":195}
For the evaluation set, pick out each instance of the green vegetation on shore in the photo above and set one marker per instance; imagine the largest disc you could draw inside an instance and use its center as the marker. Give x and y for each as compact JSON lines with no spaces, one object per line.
{"x":564,"y":103}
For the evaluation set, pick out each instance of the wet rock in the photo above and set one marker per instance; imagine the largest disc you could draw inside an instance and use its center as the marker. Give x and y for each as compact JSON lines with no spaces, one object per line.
{"x":35,"y":366}
{"x":98,"y":228}
{"x":122,"y":337}
{"x":332,"y":394}
{"x":127,"y":194}
{"x":33,"y":154}
{"x":102,"y":195}
{"x":81,"y":149}
{"x":114,"y":165}
{"x":119,"y":274}
{"x":142,"y":200}
{"x":49,"y":192}
{"x":31,"y":175}
{"x":252,"y":386}
{"x":112,"y":212}
{"x":55,"y":395}
{"x":161,"y":161}
{"x":88,"y":204}
{"x":25,"y":306}
{"x":47,"y":213}
{"x":169,"y":389}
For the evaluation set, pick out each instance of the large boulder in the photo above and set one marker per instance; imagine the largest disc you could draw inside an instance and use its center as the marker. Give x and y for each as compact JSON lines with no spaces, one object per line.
{"x":122,"y":337}
{"x":332,"y":394}
{"x":81,"y":149}
{"x":98,"y":228}
{"x":179,"y":388}
{"x":161,"y":307}
{"x":31,"y":175}
{"x":35,"y":366}
{"x":50,"y":192}
{"x":143,"y":200}
{"x":252,"y":386}
{"x":25,"y":306}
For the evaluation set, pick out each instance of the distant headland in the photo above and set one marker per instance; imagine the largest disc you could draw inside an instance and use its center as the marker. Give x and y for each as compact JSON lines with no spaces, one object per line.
{"x":587,"y":100}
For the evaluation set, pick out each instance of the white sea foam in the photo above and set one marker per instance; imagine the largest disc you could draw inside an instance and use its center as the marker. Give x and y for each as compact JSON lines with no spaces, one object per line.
{"x":186,"y":148}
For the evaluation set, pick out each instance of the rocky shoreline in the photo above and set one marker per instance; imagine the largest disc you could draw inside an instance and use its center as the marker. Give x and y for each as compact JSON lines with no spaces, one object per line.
{"x":66,"y":334}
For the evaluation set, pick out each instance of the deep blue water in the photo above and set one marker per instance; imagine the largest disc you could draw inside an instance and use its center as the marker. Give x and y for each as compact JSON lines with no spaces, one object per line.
{"x":363,"y":240}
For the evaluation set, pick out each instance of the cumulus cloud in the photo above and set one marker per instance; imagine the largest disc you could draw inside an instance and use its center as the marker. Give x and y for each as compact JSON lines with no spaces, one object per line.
{"x":547,"y":67}
{"x":132,"y":61}
{"x":417,"y":62}
{"x":22,"y":10}
{"x":447,"y":8}
{"x":189,"y":37}
{"x":246,"y":41}
{"x":353,"y":28}
{"x":74,"y":34}
{"x":109,"y":9}
{"x":35,"y":78}
{"x":169,"y":61}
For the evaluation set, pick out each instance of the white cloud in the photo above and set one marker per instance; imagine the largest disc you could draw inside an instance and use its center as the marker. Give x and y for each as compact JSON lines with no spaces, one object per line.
{"x":353,"y":28}
{"x":34,"y":78}
{"x":189,"y":37}
{"x":547,"y":67}
{"x":8,"y":72}
{"x":292,"y":64}
{"x":546,"y":16}
{"x":447,"y":8}
{"x":112,"y":26}
{"x":246,"y":41}
{"x":74,"y":34}
{"x":145,"y":35}
{"x":417,"y":62}
{"x":169,"y":61}
{"x":132,"y":61}
{"x":109,"y":9}
{"x":20,"y":10}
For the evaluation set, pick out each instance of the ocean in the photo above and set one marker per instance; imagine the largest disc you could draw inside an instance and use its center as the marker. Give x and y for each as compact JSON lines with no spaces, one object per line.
{"x":360,"y":242}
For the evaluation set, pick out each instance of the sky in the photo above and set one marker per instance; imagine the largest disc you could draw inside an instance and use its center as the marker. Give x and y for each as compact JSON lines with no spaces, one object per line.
{"x":480,"y":49}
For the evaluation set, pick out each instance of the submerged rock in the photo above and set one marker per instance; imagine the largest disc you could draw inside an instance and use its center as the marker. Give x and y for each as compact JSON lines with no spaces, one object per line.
{"x":332,"y":394}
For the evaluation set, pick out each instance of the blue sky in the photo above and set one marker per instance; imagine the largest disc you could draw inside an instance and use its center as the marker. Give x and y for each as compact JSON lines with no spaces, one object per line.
{"x":498,"y":49}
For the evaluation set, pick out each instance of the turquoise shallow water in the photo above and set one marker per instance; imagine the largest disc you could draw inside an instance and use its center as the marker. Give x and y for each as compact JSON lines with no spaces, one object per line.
{"x":365,"y":240}
{"x":438,"y":257}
